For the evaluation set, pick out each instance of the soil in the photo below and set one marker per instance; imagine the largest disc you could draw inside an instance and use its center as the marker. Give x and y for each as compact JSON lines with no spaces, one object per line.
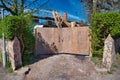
{"x":115,"y":75}
{"x":4,"y":75}
{"x":60,"y":67}
{"x":63,"y":67}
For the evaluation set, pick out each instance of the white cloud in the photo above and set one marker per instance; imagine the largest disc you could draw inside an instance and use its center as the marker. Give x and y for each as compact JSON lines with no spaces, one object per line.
{"x":70,"y":16}
{"x":47,"y":11}
{"x":61,"y":13}
{"x":73,"y":16}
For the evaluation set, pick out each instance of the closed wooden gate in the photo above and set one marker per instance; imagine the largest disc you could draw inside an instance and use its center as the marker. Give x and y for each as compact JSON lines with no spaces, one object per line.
{"x":74,"y":40}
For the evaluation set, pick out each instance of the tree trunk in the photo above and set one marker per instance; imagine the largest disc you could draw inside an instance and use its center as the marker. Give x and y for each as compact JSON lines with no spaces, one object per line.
{"x":94,"y":5}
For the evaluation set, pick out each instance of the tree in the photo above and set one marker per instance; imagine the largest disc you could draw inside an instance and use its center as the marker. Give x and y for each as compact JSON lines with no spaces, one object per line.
{"x":102,"y":5}
{"x":17,"y":7}
{"x":19,"y":26}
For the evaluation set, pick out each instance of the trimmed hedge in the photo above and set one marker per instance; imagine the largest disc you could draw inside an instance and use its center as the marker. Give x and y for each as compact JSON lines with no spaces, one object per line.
{"x":21,"y":27}
{"x":15,"y":26}
{"x":101,"y":25}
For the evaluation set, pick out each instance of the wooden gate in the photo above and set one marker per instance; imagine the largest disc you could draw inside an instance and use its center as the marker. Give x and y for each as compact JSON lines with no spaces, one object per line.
{"x":74,"y":40}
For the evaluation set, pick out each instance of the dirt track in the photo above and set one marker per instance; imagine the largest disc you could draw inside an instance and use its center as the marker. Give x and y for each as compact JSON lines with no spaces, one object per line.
{"x":4,"y":75}
{"x":60,"y":67}
{"x":63,"y":67}
{"x":115,"y":75}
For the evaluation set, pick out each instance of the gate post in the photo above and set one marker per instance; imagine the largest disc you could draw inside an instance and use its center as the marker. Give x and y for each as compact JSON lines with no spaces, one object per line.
{"x":109,"y":52}
{"x":4,"y":53}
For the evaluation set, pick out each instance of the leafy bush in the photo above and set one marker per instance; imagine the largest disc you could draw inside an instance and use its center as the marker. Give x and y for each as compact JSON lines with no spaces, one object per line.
{"x":28,"y":57}
{"x":21,"y":27}
{"x":103,"y":24}
{"x":14,"y":26}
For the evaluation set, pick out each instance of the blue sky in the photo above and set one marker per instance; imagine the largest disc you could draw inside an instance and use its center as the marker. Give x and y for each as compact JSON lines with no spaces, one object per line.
{"x":75,"y":9}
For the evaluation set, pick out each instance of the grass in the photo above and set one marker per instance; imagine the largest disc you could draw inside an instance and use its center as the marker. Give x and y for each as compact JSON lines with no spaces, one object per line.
{"x":114,"y":65}
{"x":118,"y":56}
{"x":0,"y":57}
{"x":113,"y":68}
{"x":9,"y":67}
{"x":28,"y":57}
{"x":96,"y":60}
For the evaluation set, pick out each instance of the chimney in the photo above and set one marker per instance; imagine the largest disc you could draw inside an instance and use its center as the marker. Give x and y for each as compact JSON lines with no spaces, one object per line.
{"x":65,"y":16}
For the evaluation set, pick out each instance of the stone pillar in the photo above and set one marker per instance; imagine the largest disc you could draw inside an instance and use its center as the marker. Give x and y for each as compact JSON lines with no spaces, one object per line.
{"x":17,"y":53}
{"x":14,"y":53}
{"x":109,"y":52}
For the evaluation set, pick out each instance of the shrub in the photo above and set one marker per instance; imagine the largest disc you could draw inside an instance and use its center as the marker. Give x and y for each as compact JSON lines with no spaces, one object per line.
{"x":21,"y":27}
{"x":101,"y":25}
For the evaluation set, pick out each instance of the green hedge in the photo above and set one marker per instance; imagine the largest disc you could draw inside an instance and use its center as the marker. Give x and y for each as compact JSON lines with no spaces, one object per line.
{"x":101,"y":25}
{"x":15,"y":26}
{"x":21,"y":27}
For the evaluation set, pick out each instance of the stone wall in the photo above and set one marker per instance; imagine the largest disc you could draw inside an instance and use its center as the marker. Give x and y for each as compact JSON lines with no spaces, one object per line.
{"x":13,"y":52}
{"x":109,"y":52}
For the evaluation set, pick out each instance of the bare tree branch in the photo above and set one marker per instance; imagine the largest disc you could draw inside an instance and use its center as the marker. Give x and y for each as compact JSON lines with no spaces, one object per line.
{"x":22,"y":6}
{"x":31,"y":3}
{"x":6,"y":8}
{"x":16,"y":7}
